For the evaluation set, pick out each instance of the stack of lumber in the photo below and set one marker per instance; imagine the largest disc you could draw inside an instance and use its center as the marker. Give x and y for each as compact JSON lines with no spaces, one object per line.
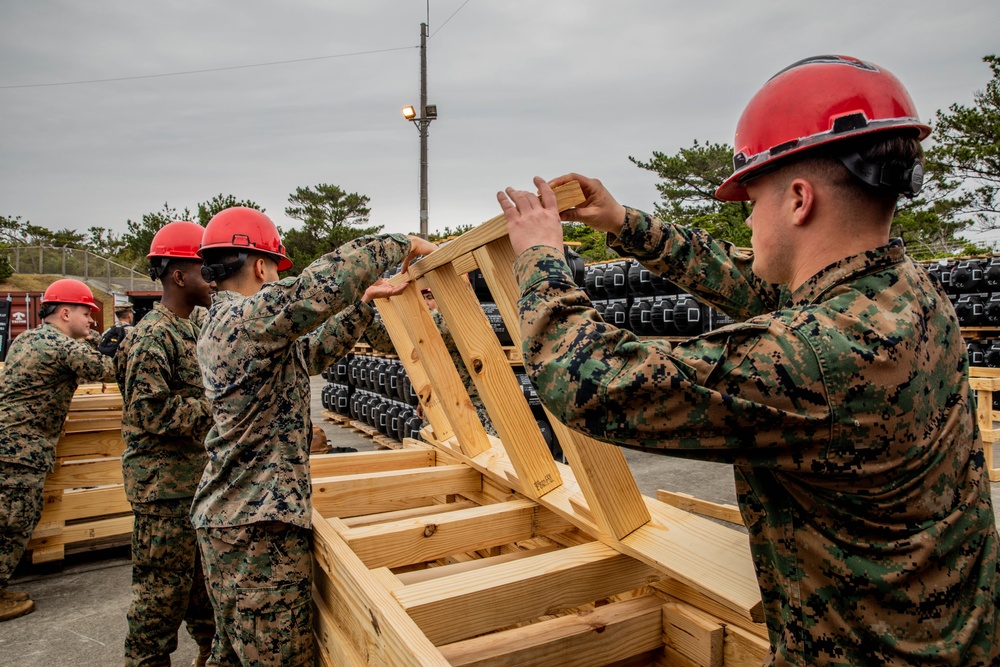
{"x":85,"y":504}
{"x":490,"y":552}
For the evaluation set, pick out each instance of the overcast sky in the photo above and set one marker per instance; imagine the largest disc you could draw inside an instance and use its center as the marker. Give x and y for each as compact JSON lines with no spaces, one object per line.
{"x":522,"y":88}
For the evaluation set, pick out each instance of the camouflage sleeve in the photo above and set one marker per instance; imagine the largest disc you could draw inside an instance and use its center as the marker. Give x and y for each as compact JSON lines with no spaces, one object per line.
{"x":197,"y":317}
{"x":716,"y":272}
{"x":333,"y":339}
{"x":718,"y":397}
{"x":152,"y":405}
{"x":83,"y":359}
{"x":290,"y":308}
{"x":377,"y":336}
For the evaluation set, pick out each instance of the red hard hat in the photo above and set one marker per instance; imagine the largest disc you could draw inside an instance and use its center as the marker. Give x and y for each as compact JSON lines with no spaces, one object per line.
{"x":178,"y":240}
{"x":68,"y":290}
{"x":242,"y":228}
{"x":813,"y":102}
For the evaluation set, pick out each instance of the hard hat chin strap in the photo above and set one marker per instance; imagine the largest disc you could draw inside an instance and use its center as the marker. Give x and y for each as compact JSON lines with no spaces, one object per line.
{"x":217,"y":272}
{"x":905,"y":181}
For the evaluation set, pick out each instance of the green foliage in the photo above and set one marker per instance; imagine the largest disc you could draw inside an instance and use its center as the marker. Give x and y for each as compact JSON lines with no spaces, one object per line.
{"x":964,"y":163}
{"x":104,"y":242}
{"x":687,"y":190}
{"x":330,"y":218}
{"x":593,"y":244}
{"x":221,"y":202}
{"x":447,"y":233}
{"x":12,"y":230}
{"x":140,"y":234}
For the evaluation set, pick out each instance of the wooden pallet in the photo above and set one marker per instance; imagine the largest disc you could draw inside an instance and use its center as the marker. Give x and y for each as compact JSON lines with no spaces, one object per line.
{"x":85,"y":503}
{"x":550,"y":564}
{"x":986,"y":381}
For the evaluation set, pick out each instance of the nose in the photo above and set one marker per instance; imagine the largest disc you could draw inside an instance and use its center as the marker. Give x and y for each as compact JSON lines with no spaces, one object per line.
{"x":749,"y":221}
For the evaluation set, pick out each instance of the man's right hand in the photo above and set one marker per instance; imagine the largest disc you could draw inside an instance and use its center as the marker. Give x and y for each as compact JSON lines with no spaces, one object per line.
{"x":600,"y":210}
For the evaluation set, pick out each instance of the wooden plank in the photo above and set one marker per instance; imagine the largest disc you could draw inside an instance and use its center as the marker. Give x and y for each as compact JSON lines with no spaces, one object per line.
{"x":678,"y":591}
{"x":451,"y":569}
{"x":693,"y":634}
{"x":96,"y":402}
{"x":333,"y":495}
{"x":48,"y":554}
{"x":84,"y":474}
{"x":370,"y":617}
{"x":444,"y":379}
{"x":744,"y":649}
{"x":86,"y":415}
{"x":86,"y":425}
{"x":435,"y":536}
{"x":567,"y":196}
{"x":94,"y":444}
{"x":601,"y":470}
{"x":520,"y":590}
{"x":411,"y":513}
{"x":73,"y":505}
{"x":984,"y":418}
{"x":353,"y":463}
{"x":728,"y":513}
{"x":498,"y":388}
{"x":587,"y":639}
{"x":91,"y":530}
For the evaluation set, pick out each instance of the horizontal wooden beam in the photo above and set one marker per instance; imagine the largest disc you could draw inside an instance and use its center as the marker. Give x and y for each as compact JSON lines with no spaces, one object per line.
{"x":386,"y":491}
{"x":96,"y":444}
{"x":693,"y":634}
{"x":727,"y":513}
{"x":84,"y":474}
{"x":411,"y":513}
{"x":451,"y":569}
{"x":521,"y":590}
{"x":72,"y":505}
{"x":91,"y":530}
{"x":431,"y":537}
{"x":590,"y":638}
{"x":356,"y":463}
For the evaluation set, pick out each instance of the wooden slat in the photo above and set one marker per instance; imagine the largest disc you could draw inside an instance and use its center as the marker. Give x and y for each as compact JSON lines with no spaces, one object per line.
{"x":411,"y":513}
{"x":520,"y":590}
{"x":353,"y":463}
{"x":588,"y":639}
{"x":601,"y":470}
{"x":96,"y":402}
{"x":693,"y":634}
{"x":95,"y":444}
{"x":744,"y":648}
{"x":495,"y":381}
{"x":99,"y":472}
{"x":82,"y":504}
{"x":87,"y":425}
{"x":91,"y":530}
{"x":676,"y":590}
{"x":332,"y":495}
{"x":431,"y":537}
{"x":372,"y":621}
{"x":728,"y":513}
{"x":431,"y":573}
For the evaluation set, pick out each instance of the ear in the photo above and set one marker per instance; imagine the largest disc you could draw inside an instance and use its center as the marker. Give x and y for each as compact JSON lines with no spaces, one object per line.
{"x":178,"y":277}
{"x":260,"y":268}
{"x":801,"y":200}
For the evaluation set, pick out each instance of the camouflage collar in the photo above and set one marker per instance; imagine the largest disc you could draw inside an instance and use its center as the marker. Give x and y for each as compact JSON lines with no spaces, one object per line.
{"x":845,"y":270}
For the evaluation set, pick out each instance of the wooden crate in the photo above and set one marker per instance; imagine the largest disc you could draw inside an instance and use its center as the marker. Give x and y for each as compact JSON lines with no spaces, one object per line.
{"x":493,"y":553}
{"x":985,"y":381}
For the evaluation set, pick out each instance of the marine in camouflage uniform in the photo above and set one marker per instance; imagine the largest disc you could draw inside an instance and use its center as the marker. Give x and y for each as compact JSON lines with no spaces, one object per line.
{"x":165,"y":419}
{"x":253,"y":508}
{"x":44,"y":366}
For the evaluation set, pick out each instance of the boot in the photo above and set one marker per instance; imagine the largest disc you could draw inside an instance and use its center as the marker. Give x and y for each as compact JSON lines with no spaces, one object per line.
{"x":19,"y":596}
{"x":14,"y":608}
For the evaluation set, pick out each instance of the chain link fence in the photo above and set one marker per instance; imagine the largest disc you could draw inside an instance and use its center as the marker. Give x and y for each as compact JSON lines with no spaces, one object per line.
{"x":77,"y":263}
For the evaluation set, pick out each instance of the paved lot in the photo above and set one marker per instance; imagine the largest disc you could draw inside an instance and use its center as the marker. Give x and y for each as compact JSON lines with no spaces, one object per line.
{"x":81,"y":603}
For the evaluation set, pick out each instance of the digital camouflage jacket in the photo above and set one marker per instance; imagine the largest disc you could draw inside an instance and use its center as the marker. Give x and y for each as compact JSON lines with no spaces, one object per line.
{"x":165,"y":414}
{"x":44,"y":367}
{"x":845,"y":409}
{"x":256,"y":355}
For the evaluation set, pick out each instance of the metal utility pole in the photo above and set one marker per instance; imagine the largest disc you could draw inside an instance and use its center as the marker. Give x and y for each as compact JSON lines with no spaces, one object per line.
{"x":422,"y":118}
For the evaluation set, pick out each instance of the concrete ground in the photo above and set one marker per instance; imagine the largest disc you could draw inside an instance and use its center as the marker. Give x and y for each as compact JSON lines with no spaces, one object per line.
{"x":79,"y":618}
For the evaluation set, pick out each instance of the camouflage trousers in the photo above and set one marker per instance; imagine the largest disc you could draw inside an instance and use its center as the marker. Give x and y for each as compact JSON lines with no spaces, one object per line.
{"x":21,"y":503}
{"x":260,"y":581}
{"x":168,"y":585}
{"x":484,"y":416}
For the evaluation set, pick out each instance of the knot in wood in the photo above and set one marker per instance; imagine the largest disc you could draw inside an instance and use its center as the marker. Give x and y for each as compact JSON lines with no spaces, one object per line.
{"x":430,"y":529}
{"x":477,"y":365}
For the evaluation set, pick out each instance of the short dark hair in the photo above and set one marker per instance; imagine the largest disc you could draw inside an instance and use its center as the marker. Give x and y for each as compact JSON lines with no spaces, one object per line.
{"x":231,"y":256}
